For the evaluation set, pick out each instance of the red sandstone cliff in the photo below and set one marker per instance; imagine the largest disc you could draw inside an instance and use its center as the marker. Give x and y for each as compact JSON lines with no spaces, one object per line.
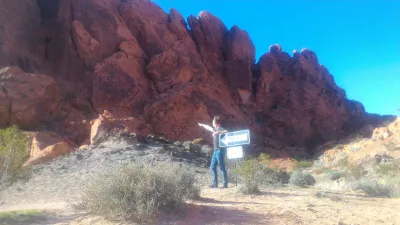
{"x":133,"y":59}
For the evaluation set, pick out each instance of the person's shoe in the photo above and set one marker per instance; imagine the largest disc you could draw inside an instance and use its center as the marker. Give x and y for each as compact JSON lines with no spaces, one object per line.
{"x":225,"y":186}
{"x":213,"y":186}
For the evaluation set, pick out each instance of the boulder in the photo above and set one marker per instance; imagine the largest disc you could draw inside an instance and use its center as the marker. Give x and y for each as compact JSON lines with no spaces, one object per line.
{"x":108,"y":126}
{"x":26,"y":100}
{"x":47,"y":146}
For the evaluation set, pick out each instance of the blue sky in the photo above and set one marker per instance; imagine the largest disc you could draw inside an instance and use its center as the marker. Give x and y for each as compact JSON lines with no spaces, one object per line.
{"x":358,"y":41}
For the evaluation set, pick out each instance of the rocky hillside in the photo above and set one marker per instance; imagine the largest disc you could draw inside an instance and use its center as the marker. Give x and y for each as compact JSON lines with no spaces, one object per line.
{"x":157,"y":72}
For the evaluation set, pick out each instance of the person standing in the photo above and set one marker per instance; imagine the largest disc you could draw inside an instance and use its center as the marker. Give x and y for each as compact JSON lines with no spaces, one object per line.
{"x":218,"y":158}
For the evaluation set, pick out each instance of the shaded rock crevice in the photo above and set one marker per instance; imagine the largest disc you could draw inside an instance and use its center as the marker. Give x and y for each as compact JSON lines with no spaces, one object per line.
{"x":6,"y":108}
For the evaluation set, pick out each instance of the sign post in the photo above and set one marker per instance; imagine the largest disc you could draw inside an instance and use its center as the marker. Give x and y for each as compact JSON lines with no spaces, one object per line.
{"x":233,"y":141}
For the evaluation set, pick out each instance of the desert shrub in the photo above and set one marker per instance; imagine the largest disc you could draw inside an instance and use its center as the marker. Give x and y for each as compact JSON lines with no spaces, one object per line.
{"x":137,"y":192}
{"x":301,"y":179}
{"x":302,"y":164}
{"x":254,"y":174}
{"x":389,"y":169}
{"x":391,"y":146}
{"x":320,"y":170}
{"x":13,"y":153}
{"x":356,"y":171}
{"x":343,"y":161}
{"x":334,"y":175}
{"x":264,"y":157}
{"x":339,"y":146}
{"x":374,"y":188}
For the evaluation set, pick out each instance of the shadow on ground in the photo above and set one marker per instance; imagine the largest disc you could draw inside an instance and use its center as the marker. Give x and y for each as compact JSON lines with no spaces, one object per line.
{"x":200,"y":214}
{"x":45,"y":219}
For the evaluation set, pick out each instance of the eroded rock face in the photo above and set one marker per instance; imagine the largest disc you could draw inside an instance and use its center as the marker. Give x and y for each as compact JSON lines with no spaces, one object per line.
{"x":301,"y":99}
{"x":152,"y":74}
{"x":240,"y":58}
{"x":107,"y":125}
{"x":47,"y":146}
{"x":20,"y":43}
{"x":209,"y":34}
{"x":27,"y":100}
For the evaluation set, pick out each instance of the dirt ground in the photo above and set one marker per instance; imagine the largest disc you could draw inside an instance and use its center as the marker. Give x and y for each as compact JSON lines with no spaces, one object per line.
{"x":272,"y":206}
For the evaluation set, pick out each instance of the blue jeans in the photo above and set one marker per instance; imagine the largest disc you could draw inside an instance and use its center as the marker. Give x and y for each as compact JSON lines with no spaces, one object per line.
{"x":218,"y":158}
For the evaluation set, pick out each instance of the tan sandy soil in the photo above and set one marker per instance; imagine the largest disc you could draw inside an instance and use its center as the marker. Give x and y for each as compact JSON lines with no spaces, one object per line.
{"x":272,"y":206}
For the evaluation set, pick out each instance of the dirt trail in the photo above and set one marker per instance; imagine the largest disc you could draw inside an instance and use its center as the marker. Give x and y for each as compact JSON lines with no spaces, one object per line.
{"x":272,"y":206}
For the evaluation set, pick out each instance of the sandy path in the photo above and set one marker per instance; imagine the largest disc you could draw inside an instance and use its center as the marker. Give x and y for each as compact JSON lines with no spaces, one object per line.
{"x":276,"y":206}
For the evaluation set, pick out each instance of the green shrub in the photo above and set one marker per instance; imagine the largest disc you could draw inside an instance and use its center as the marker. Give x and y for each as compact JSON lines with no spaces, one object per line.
{"x":137,"y":192}
{"x":356,"y":171}
{"x":334,"y":175}
{"x":13,"y":153}
{"x":389,"y":169}
{"x":343,"y":161}
{"x":254,"y":174}
{"x":22,"y":217}
{"x":374,"y":188}
{"x":303,"y":164}
{"x":339,"y":146}
{"x":301,"y":179}
{"x":391,"y":146}
{"x":320,"y":170}
{"x":264,"y":157}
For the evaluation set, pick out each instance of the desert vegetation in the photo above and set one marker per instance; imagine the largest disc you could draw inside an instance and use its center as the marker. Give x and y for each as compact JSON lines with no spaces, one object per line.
{"x":137,"y":192}
{"x":13,"y":153}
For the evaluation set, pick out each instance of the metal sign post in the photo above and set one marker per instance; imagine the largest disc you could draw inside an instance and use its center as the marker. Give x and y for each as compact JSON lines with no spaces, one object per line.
{"x":235,"y":153}
{"x":233,"y":142}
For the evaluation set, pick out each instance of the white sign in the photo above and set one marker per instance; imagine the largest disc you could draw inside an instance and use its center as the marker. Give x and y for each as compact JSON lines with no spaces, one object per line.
{"x":234,"y":152}
{"x":236,"y":138}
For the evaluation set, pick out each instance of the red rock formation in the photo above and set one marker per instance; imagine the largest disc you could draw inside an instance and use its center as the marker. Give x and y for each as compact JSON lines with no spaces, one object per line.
{"x":240,"y":58}
{"x":27,"y":100}
{"x":20,"y":41}
{"x":47,"y":146}
{"x":135,"y":60}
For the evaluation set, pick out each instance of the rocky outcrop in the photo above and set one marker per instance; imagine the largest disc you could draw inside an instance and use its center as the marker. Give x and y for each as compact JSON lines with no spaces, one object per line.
{"x":107,"y":125}
{"x":152,"y":74}
{"x":240,"y":58}
{"x":302,"y":88}
{"x":26,"y":100}
{"x":47,"y":146}
{"x":20,"y":41}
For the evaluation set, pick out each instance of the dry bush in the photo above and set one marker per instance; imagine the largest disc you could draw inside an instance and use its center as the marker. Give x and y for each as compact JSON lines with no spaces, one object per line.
{"x":301,"y":179}
{"x":375,"y":188}
{"x":253,"y":174}
{"x":389,"y":169}
{"x":137,"y":192}
{"x":303,"y":164}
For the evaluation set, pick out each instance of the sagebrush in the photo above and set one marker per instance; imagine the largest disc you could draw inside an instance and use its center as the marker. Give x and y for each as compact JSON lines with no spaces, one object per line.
{"x":375,"y":188}
{"x":137,"y":192}
{"x":301,"y":179}
{"x":254,"y":174}
{"x":13,"y":153}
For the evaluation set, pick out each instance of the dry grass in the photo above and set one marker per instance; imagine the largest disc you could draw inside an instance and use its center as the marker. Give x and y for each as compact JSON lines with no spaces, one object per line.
{"x":137,"y":192}
{"x":254,"y":174}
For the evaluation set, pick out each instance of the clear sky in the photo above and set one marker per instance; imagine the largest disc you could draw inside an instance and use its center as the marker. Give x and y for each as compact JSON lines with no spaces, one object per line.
{"x":358,"y":41}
